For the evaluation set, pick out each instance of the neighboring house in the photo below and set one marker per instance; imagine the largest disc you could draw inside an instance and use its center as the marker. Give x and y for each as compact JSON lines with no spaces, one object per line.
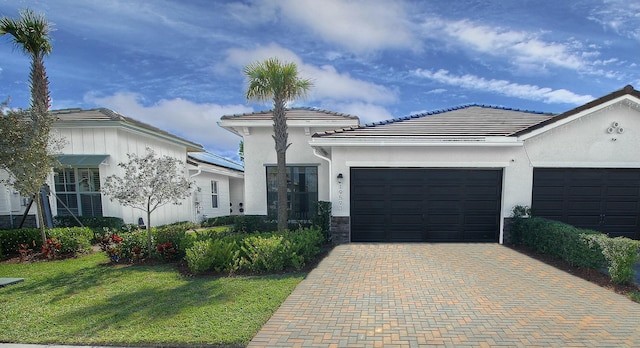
{"x":307,"y":172}
{"x":96,"y":141}
{"x":219,"y":186}
{"x":455,"y":175}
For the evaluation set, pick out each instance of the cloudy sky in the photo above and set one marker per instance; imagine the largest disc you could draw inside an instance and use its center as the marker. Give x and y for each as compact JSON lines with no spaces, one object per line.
{"x":177,"y":64}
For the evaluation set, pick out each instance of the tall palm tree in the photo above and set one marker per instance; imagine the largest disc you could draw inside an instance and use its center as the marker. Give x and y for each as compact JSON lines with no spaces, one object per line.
{"x":30,"y":33}
{"x":277,"y":81}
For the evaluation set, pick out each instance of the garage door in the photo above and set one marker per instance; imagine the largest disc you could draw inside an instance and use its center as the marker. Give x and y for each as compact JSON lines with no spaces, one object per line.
{"x":605,"y":200}
{"x":425,"y":205}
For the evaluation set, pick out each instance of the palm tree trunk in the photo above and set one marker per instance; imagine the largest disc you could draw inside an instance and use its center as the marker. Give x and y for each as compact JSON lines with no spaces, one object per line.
{"x":280,"y":137}
{"x":282,"y":192}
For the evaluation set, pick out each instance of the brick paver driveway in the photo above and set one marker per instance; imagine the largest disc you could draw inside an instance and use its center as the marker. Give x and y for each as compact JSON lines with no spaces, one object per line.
{"x":453,"y":295}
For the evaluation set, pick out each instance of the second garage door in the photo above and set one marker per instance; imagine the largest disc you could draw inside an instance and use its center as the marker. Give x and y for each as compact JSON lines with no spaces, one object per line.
{"x":602,"y":199}
{"x":425,"y":205}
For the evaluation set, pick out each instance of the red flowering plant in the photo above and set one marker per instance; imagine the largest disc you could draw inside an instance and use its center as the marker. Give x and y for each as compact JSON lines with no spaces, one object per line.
{"x":167,"y":251}
{"x":111,"y":245}
{"x":51,"y":248}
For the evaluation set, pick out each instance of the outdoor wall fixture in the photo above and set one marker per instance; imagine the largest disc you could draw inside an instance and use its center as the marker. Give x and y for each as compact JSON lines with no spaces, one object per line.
{"x":340,"y":177}
{"x":615,"y":128}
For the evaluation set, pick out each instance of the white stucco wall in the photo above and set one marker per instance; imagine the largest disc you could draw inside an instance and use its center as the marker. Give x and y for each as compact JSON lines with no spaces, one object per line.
{"x":579,"y":142}
{"x":260,"y":151}
{"x":585,"y":142}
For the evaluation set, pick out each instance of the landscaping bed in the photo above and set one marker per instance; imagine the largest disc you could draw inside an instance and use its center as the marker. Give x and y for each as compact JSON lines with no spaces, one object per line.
{"x":600,"y":278}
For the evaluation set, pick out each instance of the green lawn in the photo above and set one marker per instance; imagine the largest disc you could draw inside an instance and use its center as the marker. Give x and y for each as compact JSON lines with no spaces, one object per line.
{"x":80,"y":301}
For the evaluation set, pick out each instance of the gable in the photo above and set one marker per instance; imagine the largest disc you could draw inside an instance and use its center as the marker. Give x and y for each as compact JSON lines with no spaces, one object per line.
{"x":598,"y":137}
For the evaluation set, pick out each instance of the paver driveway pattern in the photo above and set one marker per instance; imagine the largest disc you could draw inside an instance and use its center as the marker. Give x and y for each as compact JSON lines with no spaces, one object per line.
{"x":455,"y":295}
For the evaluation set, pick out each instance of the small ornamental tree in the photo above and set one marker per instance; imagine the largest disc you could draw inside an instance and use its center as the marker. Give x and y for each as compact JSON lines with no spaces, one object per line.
{"x":149,"y":182}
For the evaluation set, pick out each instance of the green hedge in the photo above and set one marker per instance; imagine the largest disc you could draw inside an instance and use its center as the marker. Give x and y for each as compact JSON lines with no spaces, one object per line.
{"x":74,"y":240}
{"x":256,"y":252}
{"x":10,"y":239}
{"x":96,"y":223}
{"x":219,"y":221}
{"x":262,"y":223}
{"x":621,"y":254}
{"x":558,"y":239}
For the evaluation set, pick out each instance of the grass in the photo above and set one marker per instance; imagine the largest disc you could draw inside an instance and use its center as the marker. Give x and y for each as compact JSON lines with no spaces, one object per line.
{"x":81,"y":301}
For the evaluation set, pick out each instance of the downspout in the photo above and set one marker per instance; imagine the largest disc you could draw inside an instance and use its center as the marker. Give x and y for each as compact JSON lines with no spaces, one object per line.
{"x":194,"y":211}
{"x":315,"y":152}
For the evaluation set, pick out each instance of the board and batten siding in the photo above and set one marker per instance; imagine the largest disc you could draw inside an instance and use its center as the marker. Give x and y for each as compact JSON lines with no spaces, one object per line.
{"x":117,"y":142}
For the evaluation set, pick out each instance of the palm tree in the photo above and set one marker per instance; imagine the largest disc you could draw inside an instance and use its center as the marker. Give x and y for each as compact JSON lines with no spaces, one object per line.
{"x":30,"y":33}
{"x":277,"y":81}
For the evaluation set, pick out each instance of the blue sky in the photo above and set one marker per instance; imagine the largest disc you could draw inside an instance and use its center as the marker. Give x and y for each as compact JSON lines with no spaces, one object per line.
{"x":178,"y":64}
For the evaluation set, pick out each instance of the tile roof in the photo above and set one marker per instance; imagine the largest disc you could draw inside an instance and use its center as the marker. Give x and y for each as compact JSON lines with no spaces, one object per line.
{"x":470,"y":120}
{"x":210,"y":158}
{"x":106,"y":115}
{"x":299,"y":113}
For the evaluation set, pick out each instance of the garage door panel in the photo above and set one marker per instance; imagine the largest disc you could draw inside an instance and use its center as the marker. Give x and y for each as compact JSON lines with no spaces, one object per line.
{"x":405,"y":190}
{"x":626,"y":207}
{"x":425,"y":204}
{"x":406,"y":219}
{"x":603,"y":199}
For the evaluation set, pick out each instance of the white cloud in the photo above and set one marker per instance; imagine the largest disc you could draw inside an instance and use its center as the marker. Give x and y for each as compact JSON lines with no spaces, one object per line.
{"x":503,"y":87}
{"x":526,"y":50}
{"x":189,"y":120}
{"x":621,"y":16}
{"x":367,"y":113}
{"x":358,"y":26}
{"x":328,"y":82}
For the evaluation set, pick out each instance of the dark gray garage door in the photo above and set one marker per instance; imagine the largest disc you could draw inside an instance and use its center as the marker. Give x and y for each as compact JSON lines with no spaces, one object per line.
{"x":605,"y":200}
{"x":425,"y":205}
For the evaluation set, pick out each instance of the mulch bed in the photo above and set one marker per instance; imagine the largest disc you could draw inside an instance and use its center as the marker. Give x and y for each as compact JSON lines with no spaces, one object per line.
{"x":588,"y":274}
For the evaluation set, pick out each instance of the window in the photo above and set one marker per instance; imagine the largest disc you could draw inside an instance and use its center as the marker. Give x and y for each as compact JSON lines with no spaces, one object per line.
{"x":78,"y":192}
{"x":214,"y":194}
{"x":302,"y":191}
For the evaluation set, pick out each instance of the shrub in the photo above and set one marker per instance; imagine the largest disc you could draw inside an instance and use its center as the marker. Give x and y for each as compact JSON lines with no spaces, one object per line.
{"x":620,"y":252}
{"x":96,"y":223}
{"x":557,"y":239}
{"x":173,"y":234}
{"x":73,"y":240}
{"x":266,"y":253}
{"x":248,"y":223}
{"x":110,"y":244}
{"x":200,"y":256}
{"x":306,"y":243}
{"x":219,"y":221}
{"x":257,"y":252}
{"x":322,"y":218}
{"x":10,"y":240}
{"x":51,"y":248}
{"x":133,"y":247}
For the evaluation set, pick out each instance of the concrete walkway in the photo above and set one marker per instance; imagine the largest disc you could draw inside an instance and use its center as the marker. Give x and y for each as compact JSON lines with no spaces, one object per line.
{"x":451,"y":295}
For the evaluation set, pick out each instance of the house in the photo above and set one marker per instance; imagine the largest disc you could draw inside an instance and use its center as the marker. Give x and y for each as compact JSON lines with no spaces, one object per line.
{"x":96,"y":140}
{"x":455,"y":175}
{"x":308,"y":173}
{"x":218,"y":186}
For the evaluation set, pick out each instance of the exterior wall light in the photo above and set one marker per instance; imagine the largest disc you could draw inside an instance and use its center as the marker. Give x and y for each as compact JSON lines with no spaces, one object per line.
{"x":340,"y":177}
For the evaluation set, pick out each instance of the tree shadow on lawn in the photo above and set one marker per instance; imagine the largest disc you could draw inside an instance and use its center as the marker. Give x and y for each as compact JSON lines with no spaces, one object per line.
{"x":67,"y":284}
{"x":170,"y":307}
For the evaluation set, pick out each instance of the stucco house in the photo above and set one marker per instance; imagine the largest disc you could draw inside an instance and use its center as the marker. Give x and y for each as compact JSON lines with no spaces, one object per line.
{"x":96,"y":140}
{"x":455,"y":175}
